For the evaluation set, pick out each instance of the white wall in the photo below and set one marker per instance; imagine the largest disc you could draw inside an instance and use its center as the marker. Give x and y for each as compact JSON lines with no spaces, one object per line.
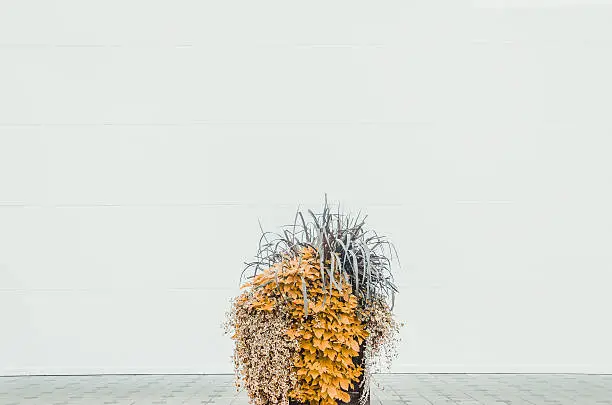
{"x":141,"y":140}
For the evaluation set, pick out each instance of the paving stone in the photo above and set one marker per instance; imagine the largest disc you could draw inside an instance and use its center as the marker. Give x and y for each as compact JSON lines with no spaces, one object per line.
{"x":387,"y":389}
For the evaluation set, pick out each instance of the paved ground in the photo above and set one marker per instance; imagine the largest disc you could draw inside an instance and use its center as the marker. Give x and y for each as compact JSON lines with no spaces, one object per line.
{"x":395,"y":389}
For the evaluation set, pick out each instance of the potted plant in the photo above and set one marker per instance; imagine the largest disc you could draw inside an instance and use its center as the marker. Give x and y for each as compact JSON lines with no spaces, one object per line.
{"x":315,"y":315}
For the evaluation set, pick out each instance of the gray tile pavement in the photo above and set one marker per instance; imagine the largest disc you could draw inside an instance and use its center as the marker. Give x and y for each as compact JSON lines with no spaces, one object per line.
{"x":389,"y":389}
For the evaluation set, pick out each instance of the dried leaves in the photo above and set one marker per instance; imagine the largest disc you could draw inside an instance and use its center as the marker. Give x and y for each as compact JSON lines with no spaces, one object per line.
{"x":382,"y":341}
{"x":263,"y":356}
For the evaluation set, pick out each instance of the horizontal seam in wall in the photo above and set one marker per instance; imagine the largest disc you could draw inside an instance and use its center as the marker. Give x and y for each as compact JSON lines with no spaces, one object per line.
{"x":127,"y":289}
{"x":203,"y":123}
{"x":186,"y":205}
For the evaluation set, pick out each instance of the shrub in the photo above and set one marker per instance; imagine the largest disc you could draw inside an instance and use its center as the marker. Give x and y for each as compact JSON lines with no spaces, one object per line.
{"x":320,"y":298}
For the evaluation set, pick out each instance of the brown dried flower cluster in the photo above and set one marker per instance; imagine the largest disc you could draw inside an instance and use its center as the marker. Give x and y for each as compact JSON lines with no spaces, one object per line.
{"x":263,"y":355}
{"x":380,"y":347}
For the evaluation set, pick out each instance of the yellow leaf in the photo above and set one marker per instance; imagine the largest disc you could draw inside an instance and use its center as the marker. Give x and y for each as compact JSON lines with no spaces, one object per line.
{"x":353,"y":345}
{"x":343,"y":396}
{"x":331,"y":354}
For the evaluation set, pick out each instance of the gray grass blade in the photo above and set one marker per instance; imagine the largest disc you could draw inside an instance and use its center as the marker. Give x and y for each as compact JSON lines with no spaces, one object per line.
{"x":355,"y":271}
{"x":305,"y":296}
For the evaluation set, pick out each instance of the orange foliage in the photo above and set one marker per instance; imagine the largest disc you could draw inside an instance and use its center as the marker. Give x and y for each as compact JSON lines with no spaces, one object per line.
{"x":325,"y":325}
